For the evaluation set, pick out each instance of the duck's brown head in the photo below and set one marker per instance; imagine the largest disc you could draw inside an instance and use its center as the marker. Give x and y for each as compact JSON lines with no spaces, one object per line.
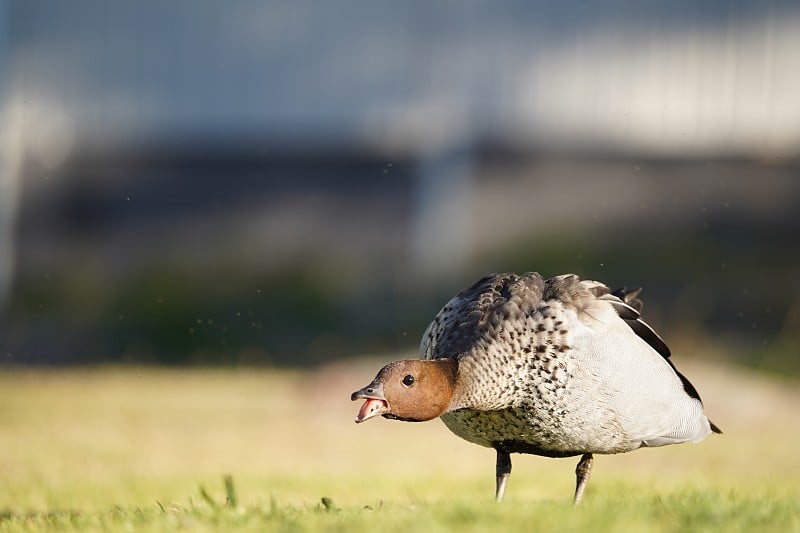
{"x":410,"y":390}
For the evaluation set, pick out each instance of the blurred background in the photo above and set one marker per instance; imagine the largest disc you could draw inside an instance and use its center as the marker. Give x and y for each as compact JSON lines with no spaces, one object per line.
{"x":271,"y":183}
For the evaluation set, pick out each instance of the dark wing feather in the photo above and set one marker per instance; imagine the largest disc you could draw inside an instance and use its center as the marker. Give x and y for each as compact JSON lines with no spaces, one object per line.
{"x":629,"y":307}
{"x":630,"y":297}
{"x":648,"y":334}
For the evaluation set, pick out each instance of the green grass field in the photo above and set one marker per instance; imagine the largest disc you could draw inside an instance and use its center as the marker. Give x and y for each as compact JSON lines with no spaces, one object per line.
{"x":147,"y":449}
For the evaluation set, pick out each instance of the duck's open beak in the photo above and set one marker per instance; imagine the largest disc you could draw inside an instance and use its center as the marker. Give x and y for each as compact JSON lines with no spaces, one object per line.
{"x":375,"y":405}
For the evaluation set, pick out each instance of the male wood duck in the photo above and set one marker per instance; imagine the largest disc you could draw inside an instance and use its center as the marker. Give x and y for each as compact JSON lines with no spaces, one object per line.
{"x":556,"y":367}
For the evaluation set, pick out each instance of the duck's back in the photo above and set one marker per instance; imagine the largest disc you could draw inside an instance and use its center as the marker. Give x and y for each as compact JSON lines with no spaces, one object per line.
{"x":560,"y":367}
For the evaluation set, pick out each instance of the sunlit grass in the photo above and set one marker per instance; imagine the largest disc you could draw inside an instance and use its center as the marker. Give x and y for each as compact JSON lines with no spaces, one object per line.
{"x":149,"y":449}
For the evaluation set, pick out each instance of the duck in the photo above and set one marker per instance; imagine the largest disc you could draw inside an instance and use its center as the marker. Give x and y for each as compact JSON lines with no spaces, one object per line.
{"x":557,"y":367}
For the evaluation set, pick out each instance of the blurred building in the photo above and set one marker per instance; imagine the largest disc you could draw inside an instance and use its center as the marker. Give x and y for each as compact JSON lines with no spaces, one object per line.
{"x":409,"y":136}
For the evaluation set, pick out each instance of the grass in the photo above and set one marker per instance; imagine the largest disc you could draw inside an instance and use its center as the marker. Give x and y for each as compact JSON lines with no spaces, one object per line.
{"x":685,"y":511}
{"x":147,"y":449}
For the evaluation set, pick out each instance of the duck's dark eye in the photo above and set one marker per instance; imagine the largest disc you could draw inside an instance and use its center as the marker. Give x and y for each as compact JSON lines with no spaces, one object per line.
{"x":408,"y":380}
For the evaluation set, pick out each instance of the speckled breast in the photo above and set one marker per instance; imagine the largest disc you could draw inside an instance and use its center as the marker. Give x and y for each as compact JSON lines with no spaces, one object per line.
{"x":513,"y":430}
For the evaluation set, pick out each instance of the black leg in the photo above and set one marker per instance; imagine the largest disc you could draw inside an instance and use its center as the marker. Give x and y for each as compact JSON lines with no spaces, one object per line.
{"x":582,"y":473}
{"x":503,"y":473}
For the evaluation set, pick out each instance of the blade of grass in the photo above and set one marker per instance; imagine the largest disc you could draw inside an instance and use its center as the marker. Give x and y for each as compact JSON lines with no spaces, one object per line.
{"x":230,"y":492}
{"x":207,"y":497}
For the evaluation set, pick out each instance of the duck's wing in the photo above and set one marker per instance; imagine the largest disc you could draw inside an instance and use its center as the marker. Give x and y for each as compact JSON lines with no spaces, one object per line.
{"x":628,"y":306}
{"x":585,"y":296}
{"x":622,"y":367}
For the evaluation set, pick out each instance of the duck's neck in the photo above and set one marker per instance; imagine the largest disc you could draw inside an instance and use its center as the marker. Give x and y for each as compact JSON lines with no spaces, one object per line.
{"x":451,"y":387}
